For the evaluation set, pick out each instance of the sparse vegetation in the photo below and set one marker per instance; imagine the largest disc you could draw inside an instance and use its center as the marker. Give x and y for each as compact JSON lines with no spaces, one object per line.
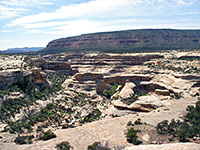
{"x":48,"y":115}
{"x":132,"y":137}
{"x":47,"y":135}
{"x":138,"y":121}
{"x":94,"y":116}
{"x":64,"y":146}
{"x":132,"y":99}
{"x":130,"y":123}
{"x":175,"y":96}
{"x":111,"y":90}
{"x":24,"y":139}
{"x":183,"y":130}
{"x":98,"y":146}
{"x":30,"y":92}
{"x":28,"y":108}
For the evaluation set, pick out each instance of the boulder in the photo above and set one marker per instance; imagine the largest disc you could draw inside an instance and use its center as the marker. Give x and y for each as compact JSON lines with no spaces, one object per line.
{"x":141,"y":107}
{"x":127,"y":90}
{"x":96,"y":98}
{"x":119,"y":104}
{"x":134,"y":106}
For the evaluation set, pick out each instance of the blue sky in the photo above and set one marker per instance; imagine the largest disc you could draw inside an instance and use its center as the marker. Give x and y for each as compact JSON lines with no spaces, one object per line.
{"x":32,"y":23}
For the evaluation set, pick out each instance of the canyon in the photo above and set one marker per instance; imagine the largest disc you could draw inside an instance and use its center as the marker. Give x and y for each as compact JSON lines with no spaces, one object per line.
{"x":151,"y":87}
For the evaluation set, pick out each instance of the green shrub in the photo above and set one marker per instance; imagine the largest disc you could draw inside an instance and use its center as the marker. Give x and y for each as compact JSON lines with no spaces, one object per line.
{"x":24,"y":139}
{"x":93,"y":116}
{"x":130,"y":123}
{"x":189,"y":128}
{"x":132,"y":137}
{"x":47,"y":135}
{"x":131,"y":99}
{"x":112,"y":90}
{"x":98,"y":146}
{"x":63,"y":146}
{"x":162,"y":127}
{"x":138,"y":121}
{"x":183,"y":132}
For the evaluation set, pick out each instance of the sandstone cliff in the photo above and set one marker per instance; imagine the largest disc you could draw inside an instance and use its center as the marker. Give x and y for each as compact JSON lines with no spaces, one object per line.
{"x":127,"y":41}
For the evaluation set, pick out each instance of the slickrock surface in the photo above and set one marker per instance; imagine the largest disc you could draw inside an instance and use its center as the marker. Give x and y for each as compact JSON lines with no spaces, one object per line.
{"x":176,"y":146}
{"x":109,"y":130}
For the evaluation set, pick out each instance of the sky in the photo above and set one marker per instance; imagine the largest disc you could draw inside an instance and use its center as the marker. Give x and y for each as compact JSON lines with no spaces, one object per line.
{"x":34,"y":23}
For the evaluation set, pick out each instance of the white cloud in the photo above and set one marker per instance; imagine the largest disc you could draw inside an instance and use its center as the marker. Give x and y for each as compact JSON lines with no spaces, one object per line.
{"x":103,"y":9}
{"x":5,"y":41}
{"x":9,"y":30}
{"x":97,"y":8}
{"x":186,"y":2}
{"x":34,"y":31}
{"x":43,"y":24}
{"x":103,"y":15}
{"x":6,"y":12}
{"x":190,"y":13}
{"x":13,"y":8}
{"x":77,"y":27}
{"x":25,"y":2}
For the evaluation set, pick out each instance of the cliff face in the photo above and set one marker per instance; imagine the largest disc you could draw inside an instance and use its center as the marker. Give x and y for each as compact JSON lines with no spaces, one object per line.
{"x":128,"y":41}
{"x":13,"y":76}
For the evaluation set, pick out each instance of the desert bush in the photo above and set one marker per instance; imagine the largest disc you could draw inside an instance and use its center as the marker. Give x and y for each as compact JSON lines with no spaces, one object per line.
{"x":162,"y":127}
{"x":138,"y":121}
{"x":93,"y":116}
{"x":24,"y":139}
{"x":189,"y":128}
{"x":130,"y":123}
{"x":98,"y":146}
{"x":47,"y":135}
{"x":64,"y":146}
{"x":132,"y":137}
{"x":112,"y":90}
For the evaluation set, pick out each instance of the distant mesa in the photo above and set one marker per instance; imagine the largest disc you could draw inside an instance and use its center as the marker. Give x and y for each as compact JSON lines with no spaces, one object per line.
{"x":127,"y":41}
{"x":21,"y":50}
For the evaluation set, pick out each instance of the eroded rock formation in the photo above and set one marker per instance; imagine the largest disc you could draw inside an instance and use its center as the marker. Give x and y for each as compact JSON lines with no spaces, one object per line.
{"x":10,"y":77}
{"x":58,"y":66}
